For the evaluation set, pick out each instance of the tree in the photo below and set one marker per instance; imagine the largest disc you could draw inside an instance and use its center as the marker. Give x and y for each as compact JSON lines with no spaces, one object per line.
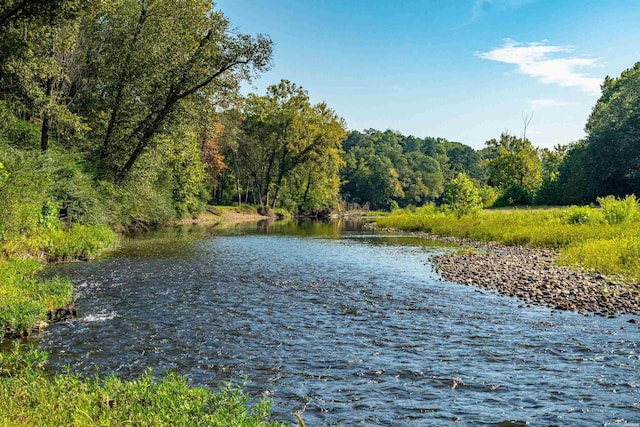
{"x":385,"y":167}
{"x":513,"y":161}
{"x":613,"y":143}
{"x":154,"y":64}
{"x":288,"y":143}
{"x":461,"y":196}
{"x":37,"y":46}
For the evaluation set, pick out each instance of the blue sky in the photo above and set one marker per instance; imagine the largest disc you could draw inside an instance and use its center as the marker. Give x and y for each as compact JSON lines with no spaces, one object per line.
{"x":465,"y":70}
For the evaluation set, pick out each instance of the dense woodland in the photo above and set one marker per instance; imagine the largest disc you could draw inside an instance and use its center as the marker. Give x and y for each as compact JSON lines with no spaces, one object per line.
{"x":129,"y":113}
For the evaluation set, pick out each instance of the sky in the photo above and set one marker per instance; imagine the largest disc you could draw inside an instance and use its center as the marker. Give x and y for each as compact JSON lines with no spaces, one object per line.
{"x":464,"y":70}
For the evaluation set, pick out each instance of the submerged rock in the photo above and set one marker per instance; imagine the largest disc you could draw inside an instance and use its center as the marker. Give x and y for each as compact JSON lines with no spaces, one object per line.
{"x":61,"y":314}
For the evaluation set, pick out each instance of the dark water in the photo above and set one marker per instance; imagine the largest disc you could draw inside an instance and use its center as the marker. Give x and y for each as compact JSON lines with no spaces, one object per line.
{"x":346,"y":327}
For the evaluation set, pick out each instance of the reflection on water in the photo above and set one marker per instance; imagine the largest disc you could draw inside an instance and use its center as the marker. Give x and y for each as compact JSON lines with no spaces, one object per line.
{"x":347,"y":327}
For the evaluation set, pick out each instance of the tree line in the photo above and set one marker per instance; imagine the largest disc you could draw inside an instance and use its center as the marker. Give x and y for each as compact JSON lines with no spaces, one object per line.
{"x":129,"y":112}
{"x":387,"y":169}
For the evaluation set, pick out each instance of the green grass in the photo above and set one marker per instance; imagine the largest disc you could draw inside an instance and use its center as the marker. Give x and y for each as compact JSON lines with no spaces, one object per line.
{"x":32,"y":397}
{"x":583,"y":236}
{"x":24,"y":299}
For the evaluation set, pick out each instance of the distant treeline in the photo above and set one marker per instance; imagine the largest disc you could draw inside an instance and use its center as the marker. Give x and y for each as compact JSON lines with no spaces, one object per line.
{"x":129,"y":113}
{"x":385,"y":169}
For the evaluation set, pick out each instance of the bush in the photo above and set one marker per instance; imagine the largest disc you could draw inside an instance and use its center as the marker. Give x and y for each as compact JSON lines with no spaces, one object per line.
{"x":617,"y":211}
{"x":488,"y":196}
{"x":582,"y":215}
{"x":462,"y":197}
{"x":515,"y":195}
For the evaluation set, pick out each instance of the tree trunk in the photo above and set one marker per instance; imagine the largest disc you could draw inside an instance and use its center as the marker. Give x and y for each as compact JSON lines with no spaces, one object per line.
{"x":46,"y":119}
{"x":235,"y":166}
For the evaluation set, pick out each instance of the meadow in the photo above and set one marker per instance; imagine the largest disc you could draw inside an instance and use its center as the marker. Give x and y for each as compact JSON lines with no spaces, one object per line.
{"x":604,"y":239}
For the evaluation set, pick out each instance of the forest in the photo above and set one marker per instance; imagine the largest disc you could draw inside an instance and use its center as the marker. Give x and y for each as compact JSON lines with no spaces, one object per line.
{"x":130,"y":114}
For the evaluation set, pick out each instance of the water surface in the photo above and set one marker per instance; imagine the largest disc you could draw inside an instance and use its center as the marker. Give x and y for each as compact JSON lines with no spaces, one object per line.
{"x":347,"y":327}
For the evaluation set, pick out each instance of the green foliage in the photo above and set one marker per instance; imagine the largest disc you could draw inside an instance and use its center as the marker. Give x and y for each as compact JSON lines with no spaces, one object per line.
{"x":514,"y":195}
{"x":24,"y":300}
{"x":583,"y":215}
{"x":382,"y":167}
{"x":17,"y":361}
{"x":613,"y":149}
{"x":25,"y":191}
{"x":513,"y":161}
{"x":160,"y":65}
{"x":461,"y":196}
{"x":26,"y":391}
{"x":290,"y":152}
{"x":488,"y":196}
{"x":565,"y":180}
{"x":617,"y":211}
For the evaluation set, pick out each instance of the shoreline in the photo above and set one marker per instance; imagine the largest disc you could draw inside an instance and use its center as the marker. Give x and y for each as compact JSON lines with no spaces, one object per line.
{"x":222,"y":215}
{"x":532,"y":275}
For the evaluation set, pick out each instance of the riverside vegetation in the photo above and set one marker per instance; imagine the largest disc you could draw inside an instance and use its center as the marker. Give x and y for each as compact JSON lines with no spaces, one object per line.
{"x":602,"y":243}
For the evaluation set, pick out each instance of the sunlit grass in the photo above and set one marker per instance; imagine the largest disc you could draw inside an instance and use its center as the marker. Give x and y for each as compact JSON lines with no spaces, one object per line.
{"x":32,"y":397}
{"x":24,"y":299}
{"x":583,"y":236}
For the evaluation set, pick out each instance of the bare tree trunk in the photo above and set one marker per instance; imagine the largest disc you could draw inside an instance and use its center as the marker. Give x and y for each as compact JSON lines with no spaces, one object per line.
{"x":235,"y":165}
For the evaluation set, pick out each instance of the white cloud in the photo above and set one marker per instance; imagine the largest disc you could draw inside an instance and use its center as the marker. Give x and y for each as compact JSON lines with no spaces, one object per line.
{"x":538,"y":104}
{"x":535,"y":60}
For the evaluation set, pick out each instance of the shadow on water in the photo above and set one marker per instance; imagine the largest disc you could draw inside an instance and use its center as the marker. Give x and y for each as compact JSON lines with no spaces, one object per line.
{"x":344,"y":325}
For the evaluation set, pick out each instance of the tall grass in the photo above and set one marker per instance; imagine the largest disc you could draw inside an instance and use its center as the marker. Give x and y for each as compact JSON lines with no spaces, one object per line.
{"x":605,"y":240}
{"x":30,"y":396}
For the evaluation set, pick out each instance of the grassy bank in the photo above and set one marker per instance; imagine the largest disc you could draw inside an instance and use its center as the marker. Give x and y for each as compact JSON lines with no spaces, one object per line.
{"x":26,"y":300}
{"x":594,"y":239}
{"x":31,"y":396}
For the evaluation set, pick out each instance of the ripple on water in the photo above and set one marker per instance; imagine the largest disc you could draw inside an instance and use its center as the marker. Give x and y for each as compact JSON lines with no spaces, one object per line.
{"x":351,"y":330}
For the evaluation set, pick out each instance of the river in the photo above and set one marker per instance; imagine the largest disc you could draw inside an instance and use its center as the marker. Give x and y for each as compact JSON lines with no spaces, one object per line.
{"x":346,"y":327}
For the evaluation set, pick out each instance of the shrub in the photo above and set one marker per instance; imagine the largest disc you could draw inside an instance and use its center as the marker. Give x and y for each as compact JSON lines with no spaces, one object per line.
{"x":488,"y":196}
{"x":462,"y":197}
{"x":582,"y":215}
{"x":515,"y":195}
{"x":617,"y":211}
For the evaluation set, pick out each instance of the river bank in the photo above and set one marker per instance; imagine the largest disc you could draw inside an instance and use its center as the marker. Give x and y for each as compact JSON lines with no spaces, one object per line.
{"x":532,"y":275}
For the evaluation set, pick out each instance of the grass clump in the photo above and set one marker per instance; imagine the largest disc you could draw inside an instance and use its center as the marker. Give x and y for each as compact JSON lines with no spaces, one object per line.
{"x":24,"y":299}
{"x":583,"y":215}
{"x":619,"y":256}
{"x":618,"y":211}
{"x":31,"y":396}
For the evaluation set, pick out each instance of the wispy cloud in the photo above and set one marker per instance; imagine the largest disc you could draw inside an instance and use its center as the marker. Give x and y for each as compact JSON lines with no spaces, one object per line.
{"x":538,"y":104}
{"x":484,"y":7}
{"x":536,"y":60}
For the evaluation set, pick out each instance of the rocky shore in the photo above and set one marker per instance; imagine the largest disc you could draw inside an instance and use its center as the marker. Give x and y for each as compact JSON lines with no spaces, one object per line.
{"x":532,"y":275}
